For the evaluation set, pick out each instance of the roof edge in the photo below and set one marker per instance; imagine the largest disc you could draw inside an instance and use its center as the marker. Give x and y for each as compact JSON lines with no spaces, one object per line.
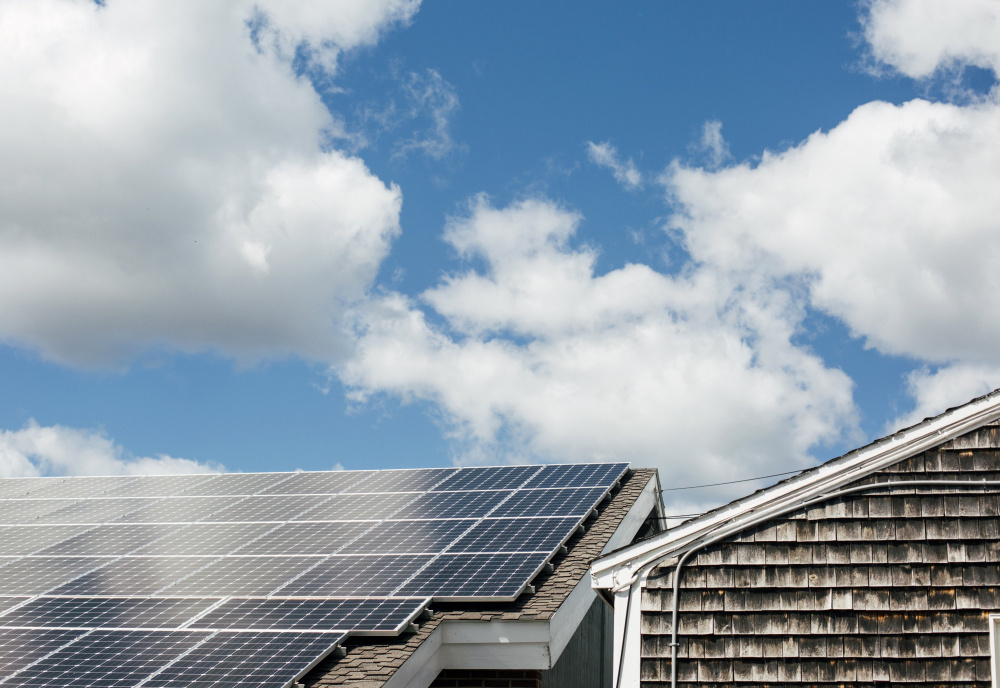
{"x":757,"y":507}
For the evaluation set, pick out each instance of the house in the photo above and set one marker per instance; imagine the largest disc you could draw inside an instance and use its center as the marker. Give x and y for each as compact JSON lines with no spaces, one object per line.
{"x":882,"y":565}
{"x":467,"y":576}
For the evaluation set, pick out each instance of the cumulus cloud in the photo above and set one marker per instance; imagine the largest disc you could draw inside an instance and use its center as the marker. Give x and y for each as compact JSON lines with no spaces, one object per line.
{"x":922,"y":37}
{"x":624,"y":171}
{"x":890,"y":220}
{"x":166,"y":178}
{"x":538,"y":357}
{"x":57,"y":450}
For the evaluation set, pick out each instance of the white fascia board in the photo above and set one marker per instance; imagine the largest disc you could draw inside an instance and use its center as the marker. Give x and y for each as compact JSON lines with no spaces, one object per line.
{"x":618,"y":567}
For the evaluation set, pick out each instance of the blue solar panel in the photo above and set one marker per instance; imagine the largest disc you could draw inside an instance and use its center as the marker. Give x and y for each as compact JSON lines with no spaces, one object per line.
{"x":188,"y":580}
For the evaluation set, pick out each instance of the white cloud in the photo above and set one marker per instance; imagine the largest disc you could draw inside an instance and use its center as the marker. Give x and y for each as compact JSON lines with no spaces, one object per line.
{"x":163,"y":180}
{"x":921,"y":37}
{"x":541,"y":358}
{"x":58,"y":450}
{"x":934,"y":392}
{"x":606,"y":155}
{"x":890,"y":220}
{"x":712,"y":143}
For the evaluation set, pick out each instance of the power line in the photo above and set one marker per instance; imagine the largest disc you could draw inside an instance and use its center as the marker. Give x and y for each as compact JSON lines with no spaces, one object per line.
{"x":728,"y":482}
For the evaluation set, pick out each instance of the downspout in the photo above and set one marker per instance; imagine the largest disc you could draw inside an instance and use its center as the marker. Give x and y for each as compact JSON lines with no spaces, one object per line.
{"x":831,"y":495}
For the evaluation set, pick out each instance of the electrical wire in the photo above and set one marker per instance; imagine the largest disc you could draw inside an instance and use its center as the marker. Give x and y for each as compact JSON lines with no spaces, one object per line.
{"x":728,"y":482}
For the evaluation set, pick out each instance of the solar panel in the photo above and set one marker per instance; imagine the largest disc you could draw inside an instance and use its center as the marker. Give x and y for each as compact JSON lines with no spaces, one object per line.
{"x":92,"y":511}
{"x":269,"y":508}
{"x":80,"y":486}
{"x":452,"y":504}
{"x":489,"y":478}
{"x":177,"y":509}
{"x":249,"y":579}
{"x":159,"y":485}
{"x":33,"y":576}
{"x":578,"y":475}
{"x":515,"y":535}
{"x":242,"y":576}
{"x":409,"y":536}
{"x":363,"y":616}
{"x":17,"y":511}
{"x":403,"y":480}
{"x":471,"y":576}
{"x":132,"y":576}
{"x":109,"y":539}
{"x":562,"y":502}
{"x":247,"y":660}
{"x":307,"y":538}
{"x":343,"y":576}
{"x":31,"y":539}
{"x":79,"y":612}
{"x":330,"y":482}
{"x":207,"y":538}
{"x":109,"y":659}
{"x":20,"y":648}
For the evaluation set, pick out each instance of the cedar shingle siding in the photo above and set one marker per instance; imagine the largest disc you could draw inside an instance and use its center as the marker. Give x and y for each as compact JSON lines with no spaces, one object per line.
{"x":862,"y":589}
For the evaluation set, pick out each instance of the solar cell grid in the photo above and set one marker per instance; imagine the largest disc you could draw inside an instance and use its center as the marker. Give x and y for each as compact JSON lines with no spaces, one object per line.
{"x":33,"y":576}
{"x":7,"y":603}
{"x":177,"y":509}
{"x":119,"y":612}
{"x":133,"y":576}
{"x":452,"y":504}
{"x":81,"y":486}
{"x":400,"y":537}
{"x":307,"y":538}
{"x":14,"y":488}
{"x":31,"y":539}
{"x":206,"y":538}
{"x":20,"y":648}
{"x":158,"y":485}
{"x":578,"y":475}
{"x":344,"y":576}
{"x":247,"y":660}
{"x":408,"y":480}
{"x":464,"y":576}
{"x":238,"y":484}
{"x":516,"y":535}
{"x":564,"y":502}
{"x":489,"y":478}
{"x":109,"y":539}
{"x":365,"y":615}
{"x":16,"y":511}
{"x":269,"y":508}
{"x":242,"y":576}
{"x":109,"y":659}
{"x":347,"y":507}
{"x":93,"y":511}
{"x":318,"y":483}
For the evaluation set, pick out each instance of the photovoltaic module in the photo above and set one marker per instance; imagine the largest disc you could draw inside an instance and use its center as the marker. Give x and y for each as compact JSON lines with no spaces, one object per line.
{"x":233,"y":580}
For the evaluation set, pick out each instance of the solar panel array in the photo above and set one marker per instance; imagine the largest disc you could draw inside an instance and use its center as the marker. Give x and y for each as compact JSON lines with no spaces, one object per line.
{"x":251,"y":579}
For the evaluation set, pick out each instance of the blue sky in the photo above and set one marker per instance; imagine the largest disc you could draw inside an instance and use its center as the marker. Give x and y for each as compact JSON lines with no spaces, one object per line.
{"x":723,"y":239}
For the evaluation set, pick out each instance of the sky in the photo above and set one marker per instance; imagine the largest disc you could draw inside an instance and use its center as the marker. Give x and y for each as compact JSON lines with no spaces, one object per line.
{"x":725,"y":240}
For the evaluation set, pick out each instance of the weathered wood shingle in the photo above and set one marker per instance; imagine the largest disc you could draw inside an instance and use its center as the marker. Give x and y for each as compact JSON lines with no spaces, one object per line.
{"x":865,"y":588}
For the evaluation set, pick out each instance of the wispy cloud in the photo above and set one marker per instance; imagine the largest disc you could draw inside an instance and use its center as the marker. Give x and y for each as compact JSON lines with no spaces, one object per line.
{"x":624,"y":171}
